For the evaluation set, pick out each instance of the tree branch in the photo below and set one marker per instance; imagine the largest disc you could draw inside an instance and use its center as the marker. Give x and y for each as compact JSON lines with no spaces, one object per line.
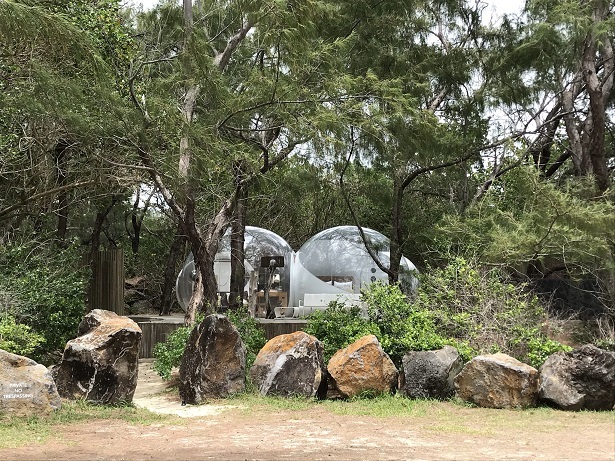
{"x":34,"y":197}
{"x":222,"y":59}
{"x":355,"y":219}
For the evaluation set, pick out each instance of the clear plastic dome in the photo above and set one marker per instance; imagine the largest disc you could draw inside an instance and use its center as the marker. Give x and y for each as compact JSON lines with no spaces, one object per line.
{"x":258,"y":243}
{"x":335,"y":261}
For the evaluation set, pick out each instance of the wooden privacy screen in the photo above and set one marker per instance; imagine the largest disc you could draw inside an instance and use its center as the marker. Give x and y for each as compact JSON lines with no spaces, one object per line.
{"x":107,"y":283}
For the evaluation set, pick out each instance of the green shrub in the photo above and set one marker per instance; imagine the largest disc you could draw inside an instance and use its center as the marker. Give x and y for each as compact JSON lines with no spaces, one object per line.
{"x":337,"y":327}
{"x":461,"y":305}
{"x":251,"y":334}
{"x":479,"y":309}
{"x":18,"y":338}
{"x":399,"y":326}
{"x":168,"y":354}
{"x":48,"y":287}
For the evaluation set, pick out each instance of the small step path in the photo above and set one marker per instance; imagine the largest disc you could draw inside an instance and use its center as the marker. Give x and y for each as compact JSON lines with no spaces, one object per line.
{"x":162,"y":397}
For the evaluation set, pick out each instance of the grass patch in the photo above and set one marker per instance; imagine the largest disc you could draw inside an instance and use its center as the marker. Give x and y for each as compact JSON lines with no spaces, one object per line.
{"x":16,"y":431}
{"x":382,"y":406}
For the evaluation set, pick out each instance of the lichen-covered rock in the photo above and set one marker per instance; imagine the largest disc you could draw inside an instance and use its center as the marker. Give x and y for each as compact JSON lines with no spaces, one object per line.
{"x":290,"y":365}
{"x":431,"y":374}
{"x":363,"y":367}
{"x":581,"y":379}
{"x":214,"y":361}
{"x":498,"y":381}
{"x":101,"y":364}
{"x":26,"y":387}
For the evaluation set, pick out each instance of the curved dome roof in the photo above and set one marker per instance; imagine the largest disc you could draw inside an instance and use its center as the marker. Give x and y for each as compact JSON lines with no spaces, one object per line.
{"x":338,"y":258}
{"x":258,"y":242}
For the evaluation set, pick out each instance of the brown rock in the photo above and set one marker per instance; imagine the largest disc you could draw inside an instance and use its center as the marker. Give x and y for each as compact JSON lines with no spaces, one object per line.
{"x":290,"y":365}
{"x":498,"y":381}
{"x":214,"y":361}
{"x":26,"y":387}
{"x":101,"y":365}
{"x":363,"y":367}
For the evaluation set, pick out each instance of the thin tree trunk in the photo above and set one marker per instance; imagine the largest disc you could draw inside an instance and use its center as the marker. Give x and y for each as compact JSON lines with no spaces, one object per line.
{"x":599,"y":92}
{"x":396,"y":231}
{"x":238,"y":228}
{"x":170,"y":272}
{"x":60,"y":155}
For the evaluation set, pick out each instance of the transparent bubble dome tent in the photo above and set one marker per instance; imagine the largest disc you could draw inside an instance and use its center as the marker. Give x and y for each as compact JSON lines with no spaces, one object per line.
{"x":333,"y":265}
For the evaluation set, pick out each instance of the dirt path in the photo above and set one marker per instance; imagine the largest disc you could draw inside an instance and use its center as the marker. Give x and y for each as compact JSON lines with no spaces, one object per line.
{"x":444,"y":432}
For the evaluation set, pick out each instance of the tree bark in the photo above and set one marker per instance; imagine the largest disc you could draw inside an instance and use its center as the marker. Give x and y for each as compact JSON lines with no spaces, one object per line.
{"x":238,"y":228}
{"x":175,"y":253}
{"x":599,"y":92}
{"x":397,"y":233}
{"x":60,"y":160}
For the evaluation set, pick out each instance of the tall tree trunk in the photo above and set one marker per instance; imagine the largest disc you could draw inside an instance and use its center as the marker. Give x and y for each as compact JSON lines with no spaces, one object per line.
{"x":599,"y":92}
{"x":170,"y":272}
{"x":238,"y":228}
{"x":204,"y":248}
{"x":60,"y":160}
{"x":396,"y":231}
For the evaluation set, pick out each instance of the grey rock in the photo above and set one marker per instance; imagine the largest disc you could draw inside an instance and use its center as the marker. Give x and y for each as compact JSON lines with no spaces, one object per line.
{"x":26,"y":387}
{"x":290,"y":365}
{"x":498,"y":381}
{"x":214,"y":361}
{"x":101,"y":364}
{"x":583,"y":379}
{"x":431,"y":374}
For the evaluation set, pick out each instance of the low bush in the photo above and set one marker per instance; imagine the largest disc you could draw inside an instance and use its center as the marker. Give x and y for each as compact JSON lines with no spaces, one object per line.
{"x":480,"y":309}
{"x":47,"y":286}
{"x":251,"y":334}
{"x":18,"y":338}
{"x":472,"y":309}
{"x":398,"y":325}
{"x":168,"y":354}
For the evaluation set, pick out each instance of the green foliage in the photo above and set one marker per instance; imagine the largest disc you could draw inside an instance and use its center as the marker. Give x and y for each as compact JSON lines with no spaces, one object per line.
{"x":251,"y":334}
{"x":338,"y":326}
{"x":48,"y":287}
{"x":397,"y":324}
{"x":18,"y":338}
{"x":525,"y":222}
{"x":482,"y":313}
{"x":459,"y":305}
{"x":403,"y":326}
{"x":540,"y":348}
{"x":169,"y":353}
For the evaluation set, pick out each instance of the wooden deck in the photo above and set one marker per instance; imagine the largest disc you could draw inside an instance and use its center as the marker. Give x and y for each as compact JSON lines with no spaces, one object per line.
{"x":156,"y":329}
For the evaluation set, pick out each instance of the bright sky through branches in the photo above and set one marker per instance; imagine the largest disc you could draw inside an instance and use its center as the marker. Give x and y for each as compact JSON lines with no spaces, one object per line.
{"x":494,"y":8}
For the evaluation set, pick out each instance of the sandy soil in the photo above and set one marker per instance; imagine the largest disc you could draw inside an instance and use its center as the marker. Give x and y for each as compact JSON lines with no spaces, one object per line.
{"x":450,"y":432}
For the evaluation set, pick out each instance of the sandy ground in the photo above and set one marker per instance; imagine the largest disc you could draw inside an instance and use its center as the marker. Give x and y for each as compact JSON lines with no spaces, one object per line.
{"x":223,"y":432}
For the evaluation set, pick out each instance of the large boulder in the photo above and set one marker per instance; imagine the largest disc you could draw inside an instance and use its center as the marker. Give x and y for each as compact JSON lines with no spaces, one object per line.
{"x":581,"y":379}
{"x":362,"y":367}
{"x":214,"y":361}
{"x":290,"y":365}
{"x":498,"y":381}
{"x":26,"y":387}
{"x":431,"y":374}
{"x":101,"y":364}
